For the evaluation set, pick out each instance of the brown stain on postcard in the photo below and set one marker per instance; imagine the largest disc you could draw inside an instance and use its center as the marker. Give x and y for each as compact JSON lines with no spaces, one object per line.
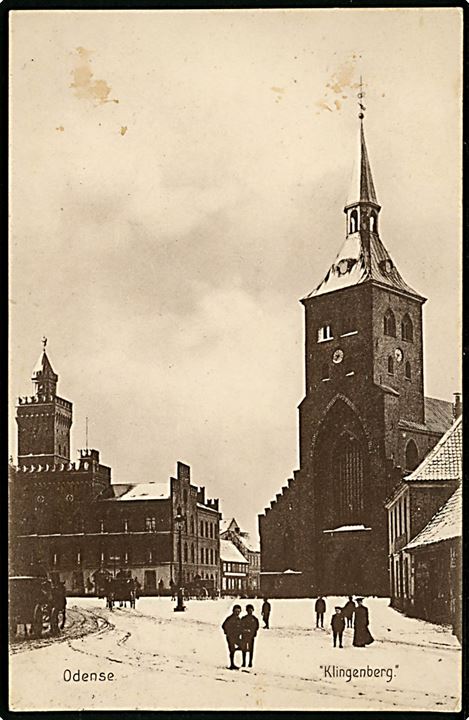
{"x":84,"y":84}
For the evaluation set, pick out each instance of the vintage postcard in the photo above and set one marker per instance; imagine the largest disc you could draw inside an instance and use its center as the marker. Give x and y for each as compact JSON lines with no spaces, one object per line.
{"x":235,"y":390}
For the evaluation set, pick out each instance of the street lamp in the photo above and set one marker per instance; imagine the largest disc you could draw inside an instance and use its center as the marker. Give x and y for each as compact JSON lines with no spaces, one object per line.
{"x":180,"y":519}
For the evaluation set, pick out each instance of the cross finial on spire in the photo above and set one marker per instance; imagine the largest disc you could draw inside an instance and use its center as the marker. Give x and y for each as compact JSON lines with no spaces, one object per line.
{"x":44,"y":342}
{"x":360,"y":97}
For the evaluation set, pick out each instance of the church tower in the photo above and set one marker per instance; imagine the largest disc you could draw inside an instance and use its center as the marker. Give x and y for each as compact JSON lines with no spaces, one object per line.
{"x":364,"y":420}
{"x":44,"y":419}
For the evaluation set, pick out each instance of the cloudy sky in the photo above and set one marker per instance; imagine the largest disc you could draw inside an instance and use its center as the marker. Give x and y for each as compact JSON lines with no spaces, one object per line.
{"x":177,"y":184}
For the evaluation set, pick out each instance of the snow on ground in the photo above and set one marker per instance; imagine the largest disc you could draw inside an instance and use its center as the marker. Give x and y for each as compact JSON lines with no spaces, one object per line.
{"x":166,"y":660}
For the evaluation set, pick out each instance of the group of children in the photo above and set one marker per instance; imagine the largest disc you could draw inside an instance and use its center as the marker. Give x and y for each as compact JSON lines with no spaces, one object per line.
{"x":240,"y":632}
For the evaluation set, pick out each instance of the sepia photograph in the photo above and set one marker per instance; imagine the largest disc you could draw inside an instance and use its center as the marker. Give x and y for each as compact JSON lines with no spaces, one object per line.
{"x":235,"y":344}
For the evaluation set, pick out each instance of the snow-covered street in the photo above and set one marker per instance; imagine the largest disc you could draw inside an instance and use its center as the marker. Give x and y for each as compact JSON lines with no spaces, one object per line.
{"x":159,"y":659}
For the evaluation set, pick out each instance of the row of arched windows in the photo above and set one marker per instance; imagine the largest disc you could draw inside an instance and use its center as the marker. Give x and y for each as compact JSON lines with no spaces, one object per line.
{"x":407,"y":328}
{"x":407,"y":368}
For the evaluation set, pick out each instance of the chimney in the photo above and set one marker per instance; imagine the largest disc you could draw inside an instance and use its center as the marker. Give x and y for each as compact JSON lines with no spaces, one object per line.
{"x":457,"y":406}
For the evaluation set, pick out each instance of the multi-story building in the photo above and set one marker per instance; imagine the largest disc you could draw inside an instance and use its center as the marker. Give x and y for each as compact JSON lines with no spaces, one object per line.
{"x":68,"y":519}
{"x":410,"y":507}
{"x":364,"y":419}
{"x":249,"y":548}
{"x":234,"y":570}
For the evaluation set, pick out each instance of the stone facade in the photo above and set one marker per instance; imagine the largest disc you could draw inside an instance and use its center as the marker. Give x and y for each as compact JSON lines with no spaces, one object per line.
{"x":67,"y":519}
{"x":363,"y":421}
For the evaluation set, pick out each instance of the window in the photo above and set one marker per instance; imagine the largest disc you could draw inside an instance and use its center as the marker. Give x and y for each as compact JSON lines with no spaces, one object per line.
{"x":192,"y":553}
{"x":211,"y":556}
{"x":391,"y":365}
{"x":78,"y":557}
{"x":192,"y":525}
{"x":126,"y":526}
{"x":411,"y":455}
{"x":349,"y":473}
{"x":353,"y":221}
{"x":408,"y":371}
{"x":211,"y":530}
{"x":202,"y":528}
{"x":405,"y":515}
{"x":407,"y":329}
{"x":149,"y":556}
{"x":324,"y":333}
{"x":390,"y":324}
{"x":186,"y":554}
{"x":206,"y":529}
{"x":374,"y":221}
{"x":150,"y":524}
{"x":201,"y":556}
{"x":101,"y":526}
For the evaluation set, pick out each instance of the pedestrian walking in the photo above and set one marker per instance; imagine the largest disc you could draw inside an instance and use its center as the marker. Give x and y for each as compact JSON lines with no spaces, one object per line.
{"x":249,"y":628}
{"x":338,"y":626}
{"x":232,"y":629}
{"x":60,"y":600}
{"x":348,"y":611}
{"x":361,"y":633}
{"x":320,"y":609}
{"x":265,"y":612}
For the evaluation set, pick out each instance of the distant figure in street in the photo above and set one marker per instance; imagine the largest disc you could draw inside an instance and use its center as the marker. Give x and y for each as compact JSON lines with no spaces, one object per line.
{"x":249,"y":628}
{"x":348,"y":611}
{"x":338,"y":626}
{"x":60,"y":600}
{"x":138,"y":588}
{"x":172,"y":586}
{"x":160,"y":587}
{"x":320,"y":609}
{"x":110,"y":591}
{"x":265,"y":612}
{"x":89,"y":586}
{"x":361,"y":633}
{"x":232,"y":629}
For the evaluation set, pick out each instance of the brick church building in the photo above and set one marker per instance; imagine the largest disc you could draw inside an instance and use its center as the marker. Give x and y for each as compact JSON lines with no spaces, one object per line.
{"x":69,"y":521}
{"x":364,"y":419}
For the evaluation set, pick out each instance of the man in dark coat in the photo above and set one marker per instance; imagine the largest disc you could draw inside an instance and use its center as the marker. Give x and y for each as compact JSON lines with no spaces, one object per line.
{"x":338,"y":626}
{"x":249,"y":628}
{"x":232,"y":629}
{"x":348,"y":611}
{"x":60,"y":600}
{"x":320,"y":609}
{"x":361,"y":633}
{"x":265,"y":612}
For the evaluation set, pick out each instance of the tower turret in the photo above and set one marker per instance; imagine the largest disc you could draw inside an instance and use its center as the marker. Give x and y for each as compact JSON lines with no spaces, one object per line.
{"x":44,"y":419}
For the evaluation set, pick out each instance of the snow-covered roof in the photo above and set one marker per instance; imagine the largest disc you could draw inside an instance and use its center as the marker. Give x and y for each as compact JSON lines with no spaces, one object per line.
{"x":230,"y":553}
{"x":348,"y":528}
{"x":444,"y":461}
{"x":146,"y":491}
{"x":446,"y":524}
{"x":438,"y":416}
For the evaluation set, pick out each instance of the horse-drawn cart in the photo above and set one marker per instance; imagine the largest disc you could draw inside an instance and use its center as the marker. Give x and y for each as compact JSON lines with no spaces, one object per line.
{"x":31,"y":604}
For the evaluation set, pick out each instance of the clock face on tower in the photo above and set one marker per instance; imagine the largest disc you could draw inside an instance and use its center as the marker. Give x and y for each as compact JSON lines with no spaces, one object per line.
{"x":398,"y":354}
{"x":338,"y":356}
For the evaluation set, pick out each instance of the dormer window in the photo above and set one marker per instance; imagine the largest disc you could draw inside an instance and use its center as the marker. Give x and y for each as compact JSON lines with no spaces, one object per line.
{"x":325,"y":333}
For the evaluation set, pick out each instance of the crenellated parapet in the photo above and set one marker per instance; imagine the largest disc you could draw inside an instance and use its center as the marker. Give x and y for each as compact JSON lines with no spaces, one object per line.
{"x":41,"y":399}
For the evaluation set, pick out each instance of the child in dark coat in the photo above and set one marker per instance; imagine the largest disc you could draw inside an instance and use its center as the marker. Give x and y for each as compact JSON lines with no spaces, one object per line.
{"x":338,"y":626}
{"x":249,"y":628}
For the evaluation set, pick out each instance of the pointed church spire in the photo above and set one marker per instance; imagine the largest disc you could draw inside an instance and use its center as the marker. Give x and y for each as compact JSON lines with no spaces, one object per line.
{"x":44,"y":377}
{"x":362,"y":257}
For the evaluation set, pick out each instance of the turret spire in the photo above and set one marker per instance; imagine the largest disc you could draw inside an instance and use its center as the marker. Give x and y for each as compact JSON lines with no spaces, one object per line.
{"x":44,"y":377}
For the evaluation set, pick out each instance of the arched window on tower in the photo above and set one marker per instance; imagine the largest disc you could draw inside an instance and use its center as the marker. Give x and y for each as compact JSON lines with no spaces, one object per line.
{"x":350,"y":476}
{"x":407,"y":329}
{"x":408,"y":371}
{"x":411,"y":455}
{"x":389,"y":323}
{"x":353,"y":221}
{"x":373,"y":221}
{"x":391,"y":365}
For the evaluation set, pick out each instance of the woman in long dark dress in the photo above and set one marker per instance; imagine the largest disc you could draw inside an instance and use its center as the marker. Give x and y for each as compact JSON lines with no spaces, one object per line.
{"x":361,"y":633}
